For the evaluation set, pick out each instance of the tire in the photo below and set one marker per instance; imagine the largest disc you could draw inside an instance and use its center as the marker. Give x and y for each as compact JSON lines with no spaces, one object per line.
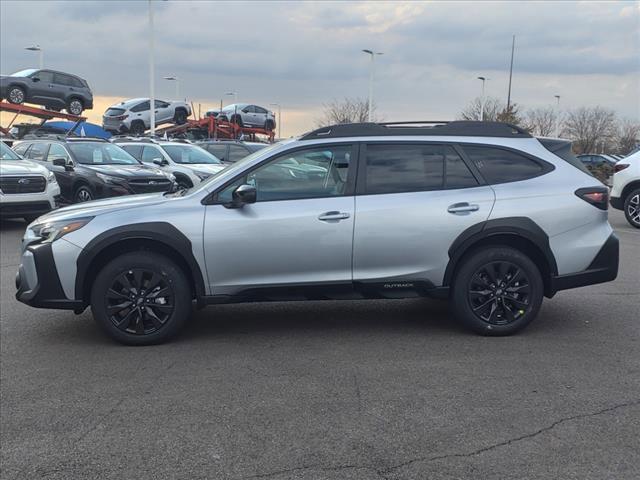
{"x":488,"y":307}
{"x":137,"y":128}
{"x":268,"y":125}
{"x":128,"y":311}
{"x":83,"y":194}
{"x":16,"y":95}
{"x":180,"y":116}
{"x":237,"y":119}
{"x":632,"y":208}
{"x":75,"y":107}
{"x":183,"y":182}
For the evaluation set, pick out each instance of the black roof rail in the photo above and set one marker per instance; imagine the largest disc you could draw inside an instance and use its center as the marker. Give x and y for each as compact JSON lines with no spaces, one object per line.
{"x":462,"y":128}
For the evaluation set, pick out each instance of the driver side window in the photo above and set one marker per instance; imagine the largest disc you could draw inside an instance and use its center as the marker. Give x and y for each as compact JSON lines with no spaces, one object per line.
{"x":310,"y":173}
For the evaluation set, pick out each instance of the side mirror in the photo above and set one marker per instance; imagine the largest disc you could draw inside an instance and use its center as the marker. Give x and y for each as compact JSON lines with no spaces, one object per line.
{"x":36,"y":79}
{"x":160,"y":161}
{"x":63,"y":162}
{"x":244,"y":194}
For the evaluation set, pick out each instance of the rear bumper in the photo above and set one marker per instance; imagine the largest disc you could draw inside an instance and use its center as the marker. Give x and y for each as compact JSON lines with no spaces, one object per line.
{"x":37,"y":281}
{"x":603,"y":268}
{"x":617,"y":203}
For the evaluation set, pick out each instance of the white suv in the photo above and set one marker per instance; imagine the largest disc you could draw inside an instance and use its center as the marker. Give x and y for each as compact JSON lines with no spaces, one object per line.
{"x":26,"y":189}
{"x":625,"y":194}
{"x":133,"y":116}
{"x":190,"y":164}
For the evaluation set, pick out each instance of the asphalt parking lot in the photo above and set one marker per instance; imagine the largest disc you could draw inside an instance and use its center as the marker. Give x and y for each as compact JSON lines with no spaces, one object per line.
{"x":327,"y":390}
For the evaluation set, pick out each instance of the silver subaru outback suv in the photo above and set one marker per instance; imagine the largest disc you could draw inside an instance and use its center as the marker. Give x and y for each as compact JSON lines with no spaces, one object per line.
{"x":480,"y":213}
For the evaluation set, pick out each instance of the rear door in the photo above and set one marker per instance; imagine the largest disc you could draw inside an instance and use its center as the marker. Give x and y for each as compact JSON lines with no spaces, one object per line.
{"x":163,"y":112}
{"x":413,"y":200}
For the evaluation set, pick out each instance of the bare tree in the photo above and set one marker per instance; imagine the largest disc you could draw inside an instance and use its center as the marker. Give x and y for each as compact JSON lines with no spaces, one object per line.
{"x":590,"y":128}
{"x":492,"y":107}
{"x":349,"y":110}
{"x":627,"y":136}
{"x":542,"y":122}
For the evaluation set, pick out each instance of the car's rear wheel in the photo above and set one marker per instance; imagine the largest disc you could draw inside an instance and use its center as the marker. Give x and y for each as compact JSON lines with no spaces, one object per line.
{"x":269,"y":125}
{"x":141,"y":298}
{"x":16,"y":95}
{"x":497,"y":291}
{"x":75,"y":107}
{"x":180,"y":116}
{"x":137,"y":127}
{"x":632,"y":208}
{"x":83,"y":194}
{"x":237,"y":119}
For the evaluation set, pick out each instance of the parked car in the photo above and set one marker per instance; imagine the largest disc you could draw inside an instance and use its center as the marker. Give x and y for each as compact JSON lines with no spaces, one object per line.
{"x":478,"y":212}
{"x":87,"y":169}
{"x":625,"y":194}
{"x":189,"y":164}
{"x":230,"y":151}
{"x":133,"y":116}
{"x":246,"y":115}
{"x":601,"y":166}
{"x":52,"y":89}
{"x":26,"y":189}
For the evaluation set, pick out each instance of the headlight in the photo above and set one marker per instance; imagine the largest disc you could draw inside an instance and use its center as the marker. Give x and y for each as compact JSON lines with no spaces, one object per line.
{"x":51,"y":178}
{"x":202,"y":175}
{"x":109,"y":179}
{"x":49,"y":231}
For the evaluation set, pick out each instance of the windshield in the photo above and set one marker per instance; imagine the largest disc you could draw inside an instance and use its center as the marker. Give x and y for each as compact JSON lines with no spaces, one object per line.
{"x":7,"y":154}
{"x":24,"y":73}
{"x":190,"y":154}
{"x":95,"y":153}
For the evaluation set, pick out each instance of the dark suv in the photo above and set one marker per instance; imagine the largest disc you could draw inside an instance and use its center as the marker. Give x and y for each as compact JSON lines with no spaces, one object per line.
{"x":54,"y":90}
{"x":88,"y":168}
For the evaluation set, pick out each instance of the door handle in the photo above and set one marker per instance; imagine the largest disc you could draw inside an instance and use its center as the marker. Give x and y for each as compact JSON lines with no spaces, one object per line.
{"x":333,"y":215}
{"x":463,"y":208}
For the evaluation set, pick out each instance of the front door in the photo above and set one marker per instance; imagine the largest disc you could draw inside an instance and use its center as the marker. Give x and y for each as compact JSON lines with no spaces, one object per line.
{"x":414,"y":200}
{"x":299,"y":233}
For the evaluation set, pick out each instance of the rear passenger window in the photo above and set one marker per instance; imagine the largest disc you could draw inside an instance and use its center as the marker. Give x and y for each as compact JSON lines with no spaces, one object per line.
{"x":500,"y":166}
{"x":37,"y":151}
{"x":404,"y":168}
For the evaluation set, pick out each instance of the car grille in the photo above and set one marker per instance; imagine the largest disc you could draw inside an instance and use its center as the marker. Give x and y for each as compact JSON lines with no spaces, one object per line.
{"x":15,"y":185}
{"x":149,"y":185}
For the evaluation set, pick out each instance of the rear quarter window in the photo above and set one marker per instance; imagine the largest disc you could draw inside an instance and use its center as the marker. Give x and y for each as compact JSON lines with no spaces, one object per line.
{"x":498,"y":165}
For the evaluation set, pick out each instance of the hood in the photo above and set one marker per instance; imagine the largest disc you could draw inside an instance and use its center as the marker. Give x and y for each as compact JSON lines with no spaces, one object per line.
{"x":22,"y":167}
{"x":98,"y":207}
{"x":128,"y":171}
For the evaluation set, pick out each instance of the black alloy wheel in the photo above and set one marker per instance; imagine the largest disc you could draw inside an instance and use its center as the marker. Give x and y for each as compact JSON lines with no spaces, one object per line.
{"x":75,"y":107}
{"x":496,"y":290}
{"x":140,"y":301}
{"x":632,"y":208}
{"x":16,"y":95}
{"x":499,"y":293}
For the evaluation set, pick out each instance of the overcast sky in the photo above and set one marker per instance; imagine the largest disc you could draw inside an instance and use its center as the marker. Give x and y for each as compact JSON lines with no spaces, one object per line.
{"x":303,"y":54}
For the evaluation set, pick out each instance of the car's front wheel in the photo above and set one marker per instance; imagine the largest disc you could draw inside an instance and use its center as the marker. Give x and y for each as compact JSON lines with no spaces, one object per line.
{"x":632,"y":208}
{"x":16,"y":95}
{"x":141,"y":298}
{"x":497,"y":291}
{"x":180,"y":117}
{"x":83,"y":194}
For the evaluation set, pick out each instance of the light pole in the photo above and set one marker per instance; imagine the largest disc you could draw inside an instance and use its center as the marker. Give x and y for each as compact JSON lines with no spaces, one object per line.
{"x":482,"y":99}
{"x":152,"y":94}
{"x":373,"y":63}
{"x":175,"y":79}
{"x":279,"y":119}
{"x":37,"y":48}
{"x":557,"y":115}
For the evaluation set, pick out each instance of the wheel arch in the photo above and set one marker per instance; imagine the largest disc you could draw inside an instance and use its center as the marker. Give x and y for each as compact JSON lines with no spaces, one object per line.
{"x":520,"y":233}
{"x":629,"y":187}
{"x":158,"y":237}
{"x":183,"y":176}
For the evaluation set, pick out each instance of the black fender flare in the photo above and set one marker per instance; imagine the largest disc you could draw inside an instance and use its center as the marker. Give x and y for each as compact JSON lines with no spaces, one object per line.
{"x":522,"y":227}
{"x":180,"y":175}
{"x":161,"y":232}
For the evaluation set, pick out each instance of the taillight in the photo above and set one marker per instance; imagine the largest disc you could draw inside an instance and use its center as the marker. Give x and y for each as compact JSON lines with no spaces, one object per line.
{"x":121,"y":117}
{"x":596,"y":196}
{"x":618,"y":167}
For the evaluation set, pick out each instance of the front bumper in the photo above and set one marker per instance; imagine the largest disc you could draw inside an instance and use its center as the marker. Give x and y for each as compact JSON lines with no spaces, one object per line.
{"x":603,"y":268}
{"x":37,"y":281}
{"x":12,"y":209}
